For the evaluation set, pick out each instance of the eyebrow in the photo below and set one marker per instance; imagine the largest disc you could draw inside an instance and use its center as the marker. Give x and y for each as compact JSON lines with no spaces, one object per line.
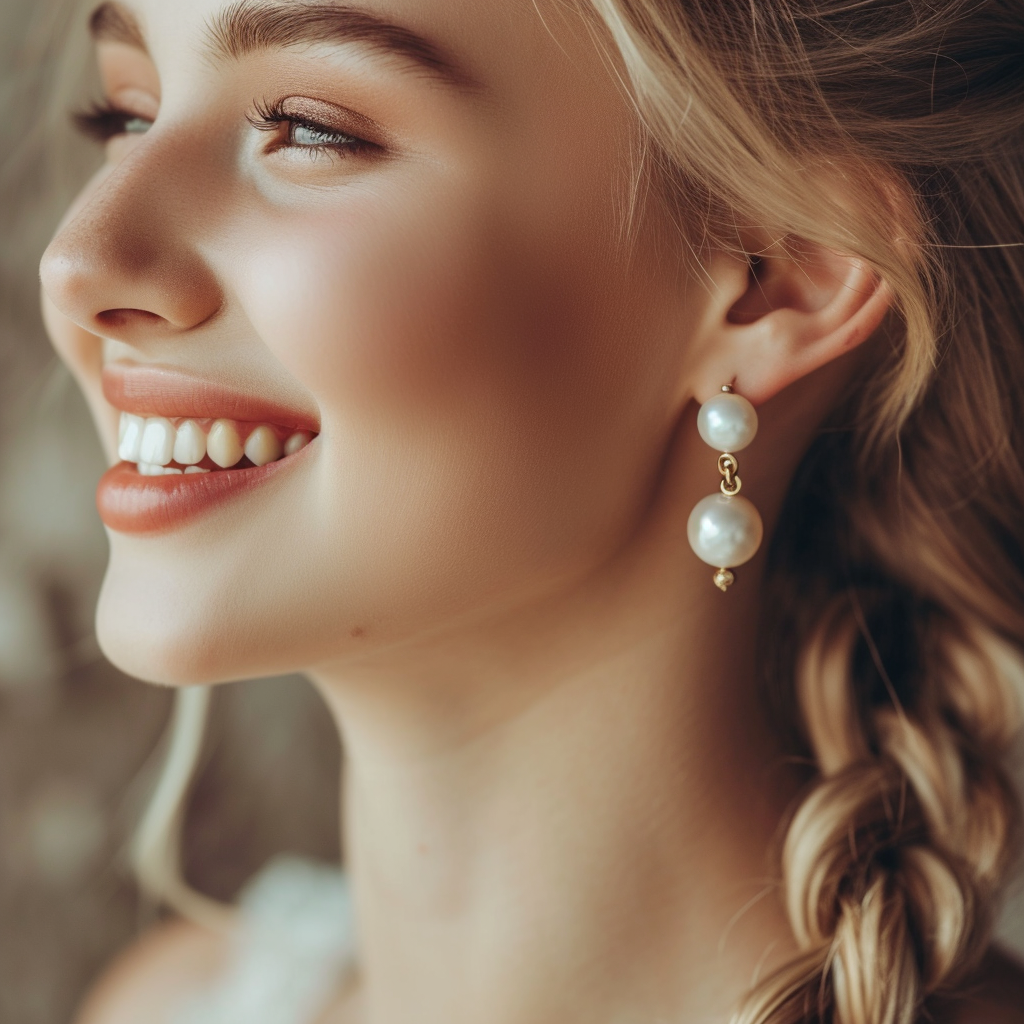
{"x":251,"y":25}
{"x":248,"y":26}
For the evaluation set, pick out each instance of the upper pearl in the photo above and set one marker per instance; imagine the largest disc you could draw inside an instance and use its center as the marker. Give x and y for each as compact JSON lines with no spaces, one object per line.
{"x":727,"y":422}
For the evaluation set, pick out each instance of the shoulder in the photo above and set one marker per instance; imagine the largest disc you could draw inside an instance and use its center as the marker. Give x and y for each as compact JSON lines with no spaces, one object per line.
{"x":994,"y":994}
{"x":151,"y":976}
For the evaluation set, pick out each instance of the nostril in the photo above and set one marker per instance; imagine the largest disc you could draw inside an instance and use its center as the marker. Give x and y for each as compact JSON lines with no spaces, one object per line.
{"x":126,"y":317}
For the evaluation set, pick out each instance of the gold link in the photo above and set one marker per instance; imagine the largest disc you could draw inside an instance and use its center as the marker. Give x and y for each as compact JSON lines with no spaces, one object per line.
{"x":729,"y":468}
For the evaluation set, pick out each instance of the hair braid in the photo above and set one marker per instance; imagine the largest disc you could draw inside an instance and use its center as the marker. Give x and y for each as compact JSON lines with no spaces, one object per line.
{"x":908,"y":699}
{"x":892,"y":861}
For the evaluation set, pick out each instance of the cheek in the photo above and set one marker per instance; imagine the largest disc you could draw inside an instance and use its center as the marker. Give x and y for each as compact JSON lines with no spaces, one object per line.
{"x":411,"y":327}
{"x":435,"y":312}
{"x":381,"y":311}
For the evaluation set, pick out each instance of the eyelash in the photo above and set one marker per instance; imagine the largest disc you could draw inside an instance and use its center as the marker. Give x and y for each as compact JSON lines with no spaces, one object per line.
{"x":103,"y":121}
{"x":269,"y":117}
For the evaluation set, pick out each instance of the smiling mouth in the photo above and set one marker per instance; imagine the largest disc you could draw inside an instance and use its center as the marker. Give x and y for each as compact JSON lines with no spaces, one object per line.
{"x":188,"y":445}
{"x":164,"y":446}
{"x":162,"y":490}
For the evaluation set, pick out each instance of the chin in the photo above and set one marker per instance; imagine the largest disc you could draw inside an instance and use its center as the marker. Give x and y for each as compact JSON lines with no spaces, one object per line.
{"x":144,"y":637}
{"x":163,"y":622}
{"x":182,"y":613}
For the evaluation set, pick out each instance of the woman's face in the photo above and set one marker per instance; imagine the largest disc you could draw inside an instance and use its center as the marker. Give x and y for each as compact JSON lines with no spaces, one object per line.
{"x":404,"y":229}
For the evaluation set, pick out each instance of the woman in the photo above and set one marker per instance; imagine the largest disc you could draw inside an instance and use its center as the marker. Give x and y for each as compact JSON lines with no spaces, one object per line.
{"x":395,"y":320}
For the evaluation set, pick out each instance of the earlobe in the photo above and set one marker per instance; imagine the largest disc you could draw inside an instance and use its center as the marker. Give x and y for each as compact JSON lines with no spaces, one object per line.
{"x":800,"y":309}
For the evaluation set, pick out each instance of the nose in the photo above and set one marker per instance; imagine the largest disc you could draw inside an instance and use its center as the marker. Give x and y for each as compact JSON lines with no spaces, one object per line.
{"x":126,"y":265}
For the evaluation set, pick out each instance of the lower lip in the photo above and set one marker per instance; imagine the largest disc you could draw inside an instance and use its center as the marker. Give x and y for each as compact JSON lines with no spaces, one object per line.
{"x":131,"y":503}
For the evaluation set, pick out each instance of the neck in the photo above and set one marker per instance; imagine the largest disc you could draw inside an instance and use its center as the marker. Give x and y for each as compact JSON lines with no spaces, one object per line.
{"x":570,"y":817}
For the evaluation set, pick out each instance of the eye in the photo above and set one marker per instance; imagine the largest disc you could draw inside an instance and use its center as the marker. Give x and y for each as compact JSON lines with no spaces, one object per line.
{"x":104,"y":121}
{"x":299,"y":132}
{"x":306,"y":135}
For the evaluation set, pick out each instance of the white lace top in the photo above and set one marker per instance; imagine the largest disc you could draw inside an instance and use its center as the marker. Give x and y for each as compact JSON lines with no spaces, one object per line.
{"x":291,"y":949}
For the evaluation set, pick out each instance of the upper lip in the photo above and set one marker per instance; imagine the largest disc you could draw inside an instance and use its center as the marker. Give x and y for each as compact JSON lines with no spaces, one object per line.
{"x":162,"y":391}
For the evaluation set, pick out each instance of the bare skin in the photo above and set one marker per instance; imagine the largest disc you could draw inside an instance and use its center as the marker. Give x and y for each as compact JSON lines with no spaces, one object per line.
{"x":561,"y":790}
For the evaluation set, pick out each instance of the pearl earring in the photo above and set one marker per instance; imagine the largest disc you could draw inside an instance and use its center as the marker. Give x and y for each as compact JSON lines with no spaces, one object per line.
{"x":724,"y":529}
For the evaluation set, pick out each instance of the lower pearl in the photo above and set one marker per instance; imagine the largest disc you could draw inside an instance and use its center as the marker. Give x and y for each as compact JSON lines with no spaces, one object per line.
{"x":723,"y":531}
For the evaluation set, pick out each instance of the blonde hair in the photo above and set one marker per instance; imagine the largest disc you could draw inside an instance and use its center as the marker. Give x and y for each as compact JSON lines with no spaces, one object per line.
{"x":893,"y":132}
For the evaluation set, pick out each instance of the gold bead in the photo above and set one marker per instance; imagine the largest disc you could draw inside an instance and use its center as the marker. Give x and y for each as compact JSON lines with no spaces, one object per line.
{"x":723,"y":579}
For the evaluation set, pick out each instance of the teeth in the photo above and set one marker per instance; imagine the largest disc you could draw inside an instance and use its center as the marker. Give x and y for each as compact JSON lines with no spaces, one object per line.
{"x":153,"y":442}
{"x":190,"y":444}
{"x":223,"y":444}
{"x":130,"y":437}
{"x":262,"y":446}
{"x":297,"y":442}
{"x":157,"y":441}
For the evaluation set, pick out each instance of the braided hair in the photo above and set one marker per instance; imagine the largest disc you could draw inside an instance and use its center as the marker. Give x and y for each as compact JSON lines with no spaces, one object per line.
{"x":893,"y":131}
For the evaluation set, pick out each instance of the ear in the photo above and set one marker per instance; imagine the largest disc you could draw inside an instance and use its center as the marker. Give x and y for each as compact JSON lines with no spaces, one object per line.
{"x":782,"y":313}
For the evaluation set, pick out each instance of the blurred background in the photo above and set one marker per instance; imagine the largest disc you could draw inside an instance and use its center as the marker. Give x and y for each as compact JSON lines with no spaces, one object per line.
{"x":80,"y":744}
